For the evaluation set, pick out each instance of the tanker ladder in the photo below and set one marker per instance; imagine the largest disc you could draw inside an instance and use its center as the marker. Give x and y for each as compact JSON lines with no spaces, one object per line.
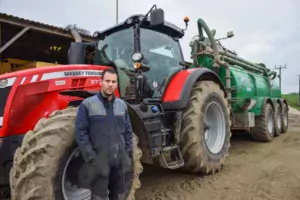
{"x":233,"y":89}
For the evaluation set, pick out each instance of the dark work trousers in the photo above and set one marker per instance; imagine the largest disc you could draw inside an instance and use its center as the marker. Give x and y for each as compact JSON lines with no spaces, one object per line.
{"x":115,"y":184}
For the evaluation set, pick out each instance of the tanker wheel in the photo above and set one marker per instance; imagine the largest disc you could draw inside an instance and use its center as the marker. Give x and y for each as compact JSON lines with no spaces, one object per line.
{"x":205,"y":135}
{"x":284,"y":119}
{"x":41,"y":164}
{"x":278,"y":119}
{"x":264,"y":129}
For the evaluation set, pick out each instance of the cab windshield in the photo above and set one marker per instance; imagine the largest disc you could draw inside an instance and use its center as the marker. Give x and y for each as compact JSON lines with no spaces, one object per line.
{"x":161,"y":53}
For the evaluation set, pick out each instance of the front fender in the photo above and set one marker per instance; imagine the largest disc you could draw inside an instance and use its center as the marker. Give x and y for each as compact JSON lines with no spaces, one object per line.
{"x":178,"y":91}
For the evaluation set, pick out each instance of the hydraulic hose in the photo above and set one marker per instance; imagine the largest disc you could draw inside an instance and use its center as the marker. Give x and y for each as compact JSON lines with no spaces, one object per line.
{"x":202,"y":25}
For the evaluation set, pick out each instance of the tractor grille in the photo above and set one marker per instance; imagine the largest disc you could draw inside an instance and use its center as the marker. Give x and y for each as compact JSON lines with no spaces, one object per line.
{"x":4,"y":92}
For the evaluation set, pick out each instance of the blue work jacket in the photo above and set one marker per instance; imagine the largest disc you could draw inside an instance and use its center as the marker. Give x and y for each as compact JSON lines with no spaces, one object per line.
{"x":103,"y":130}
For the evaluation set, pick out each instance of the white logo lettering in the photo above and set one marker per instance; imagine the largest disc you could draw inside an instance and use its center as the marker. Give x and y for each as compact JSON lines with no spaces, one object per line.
{"x":62,"y":82}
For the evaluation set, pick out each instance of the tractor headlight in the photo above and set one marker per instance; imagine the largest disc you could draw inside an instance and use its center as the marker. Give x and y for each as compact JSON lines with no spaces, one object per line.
{"x":136,"y":57}
{"x":3,"y":83}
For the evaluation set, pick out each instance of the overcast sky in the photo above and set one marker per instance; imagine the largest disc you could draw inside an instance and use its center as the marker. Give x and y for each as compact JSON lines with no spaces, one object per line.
{"x":265,"y":30}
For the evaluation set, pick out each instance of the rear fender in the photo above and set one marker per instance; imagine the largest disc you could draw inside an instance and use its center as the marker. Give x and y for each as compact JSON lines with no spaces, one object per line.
{"x":178,"y":91}
{"x":275,"y":101}
{"x":284,"y":102}
{"x":258,"y":109}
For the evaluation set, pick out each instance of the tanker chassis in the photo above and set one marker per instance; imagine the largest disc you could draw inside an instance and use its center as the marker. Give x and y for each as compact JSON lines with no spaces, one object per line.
{"x":182,"y":114}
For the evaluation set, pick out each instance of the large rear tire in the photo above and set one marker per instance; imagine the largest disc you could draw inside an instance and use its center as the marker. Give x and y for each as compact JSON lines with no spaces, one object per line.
{"x":264,"y":129}
{"x":39,"y":164}
{"x":204,"y":151}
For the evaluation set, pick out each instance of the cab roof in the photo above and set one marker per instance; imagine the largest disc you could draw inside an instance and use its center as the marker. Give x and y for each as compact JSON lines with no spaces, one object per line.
{"x":167,"y":28}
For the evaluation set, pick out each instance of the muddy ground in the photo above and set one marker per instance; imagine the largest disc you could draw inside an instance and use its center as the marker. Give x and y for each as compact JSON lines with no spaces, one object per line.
{"x":253,"y":171}
{"x":256,"y":171}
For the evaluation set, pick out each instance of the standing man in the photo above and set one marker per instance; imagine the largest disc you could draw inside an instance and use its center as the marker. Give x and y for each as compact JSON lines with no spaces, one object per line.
{"x":104,"y":136}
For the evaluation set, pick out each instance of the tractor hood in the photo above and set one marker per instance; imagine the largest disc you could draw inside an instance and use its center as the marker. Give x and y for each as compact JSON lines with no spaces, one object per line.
{"x":49,"y":72}
{"x":37,"y":92}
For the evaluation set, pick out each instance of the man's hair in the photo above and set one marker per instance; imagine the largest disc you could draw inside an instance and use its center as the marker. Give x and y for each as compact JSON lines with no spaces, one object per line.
{"x":108,"y":70}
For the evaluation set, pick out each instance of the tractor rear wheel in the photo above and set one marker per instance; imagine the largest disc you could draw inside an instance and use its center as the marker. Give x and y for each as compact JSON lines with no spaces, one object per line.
{"x":43,"y":168}
{"x":264,"y":129}
{"x":205,"y":135}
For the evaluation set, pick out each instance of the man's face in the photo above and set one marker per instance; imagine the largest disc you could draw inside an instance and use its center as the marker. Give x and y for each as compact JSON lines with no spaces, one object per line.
{"x":109,"y":83}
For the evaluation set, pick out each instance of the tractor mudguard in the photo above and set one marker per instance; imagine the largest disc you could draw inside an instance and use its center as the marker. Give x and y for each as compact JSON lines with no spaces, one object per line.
{"x":178,"y":91}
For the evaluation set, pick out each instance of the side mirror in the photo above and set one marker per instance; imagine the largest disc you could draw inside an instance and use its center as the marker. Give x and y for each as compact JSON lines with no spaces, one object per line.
{"x":230,"y":34}
{"x":77,"y":51}
{"x":157,"y":17}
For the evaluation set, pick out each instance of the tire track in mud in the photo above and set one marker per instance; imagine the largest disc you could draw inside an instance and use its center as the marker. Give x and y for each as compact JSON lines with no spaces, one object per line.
{"x":254,"y":170}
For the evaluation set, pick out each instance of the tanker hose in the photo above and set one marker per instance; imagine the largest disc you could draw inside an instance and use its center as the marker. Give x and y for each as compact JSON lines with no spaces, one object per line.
{"x":274,"y":75}
{"x":203,"y":25}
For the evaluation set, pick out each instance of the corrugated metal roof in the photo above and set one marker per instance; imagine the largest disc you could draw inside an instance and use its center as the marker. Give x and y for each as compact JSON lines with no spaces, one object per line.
{"x":7,"y":18}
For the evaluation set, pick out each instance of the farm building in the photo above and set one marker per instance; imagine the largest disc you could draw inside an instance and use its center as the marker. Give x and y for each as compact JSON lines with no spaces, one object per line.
{"x":26,"y":44}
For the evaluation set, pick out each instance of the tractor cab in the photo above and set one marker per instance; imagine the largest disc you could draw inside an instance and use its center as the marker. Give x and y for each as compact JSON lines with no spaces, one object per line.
{"x":144,"y":51}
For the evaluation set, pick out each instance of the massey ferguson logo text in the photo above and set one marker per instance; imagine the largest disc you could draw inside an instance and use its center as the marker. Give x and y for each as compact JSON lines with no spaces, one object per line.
{"x":83,"y":73}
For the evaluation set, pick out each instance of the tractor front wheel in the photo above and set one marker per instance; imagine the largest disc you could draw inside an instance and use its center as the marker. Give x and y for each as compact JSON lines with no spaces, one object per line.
{"x":46,"y":165}
{"x":205,"y":135}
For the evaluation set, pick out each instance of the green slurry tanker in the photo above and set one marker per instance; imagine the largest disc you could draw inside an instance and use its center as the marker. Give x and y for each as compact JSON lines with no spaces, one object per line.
{"x":253,"y":90}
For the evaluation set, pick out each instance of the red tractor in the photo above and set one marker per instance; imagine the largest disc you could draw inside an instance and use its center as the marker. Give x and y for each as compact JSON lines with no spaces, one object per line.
{"x":172,"y":109}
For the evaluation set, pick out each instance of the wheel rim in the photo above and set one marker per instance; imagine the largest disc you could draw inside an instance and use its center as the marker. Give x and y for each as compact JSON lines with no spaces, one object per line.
{"x":278,"y":120}
{"x":270,"y":123}
{"x":214,"y":127}
{"x":70,"y":191}
{"x":285,"y":117}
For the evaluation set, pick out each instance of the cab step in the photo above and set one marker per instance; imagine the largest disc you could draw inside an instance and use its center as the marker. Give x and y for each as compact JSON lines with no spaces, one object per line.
{"x":171,"y":157}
